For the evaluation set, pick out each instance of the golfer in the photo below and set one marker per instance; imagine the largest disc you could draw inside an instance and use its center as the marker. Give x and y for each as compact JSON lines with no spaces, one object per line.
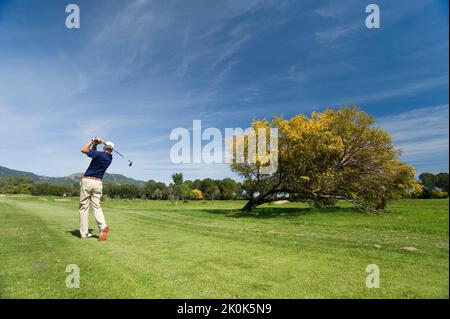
{"x":92,"y":187}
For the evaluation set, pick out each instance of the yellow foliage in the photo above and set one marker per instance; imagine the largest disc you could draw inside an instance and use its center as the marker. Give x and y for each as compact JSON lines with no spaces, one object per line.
{"x":333,"y":153}
{"x":439,"y":194}
{"x":197,"y":194}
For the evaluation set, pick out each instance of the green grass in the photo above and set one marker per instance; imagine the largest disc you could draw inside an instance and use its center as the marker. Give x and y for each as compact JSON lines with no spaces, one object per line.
{"x":207,"y":250}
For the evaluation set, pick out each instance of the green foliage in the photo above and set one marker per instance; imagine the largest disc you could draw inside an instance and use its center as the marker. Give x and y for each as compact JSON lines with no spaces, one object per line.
{"x":124,"y":191}
{"x":177,"y":178}
{"x":433,"y":186}
{"x":155,"y":190}
{"x":180,"y":189}
{"x":438,"y":194}
{"x":228,"y":188}
{"x":428,"y":180}
{"x":441,"y":181}
{"x":25,"y":185}
{"x":210,"y":188}
{"x":55,"y":189}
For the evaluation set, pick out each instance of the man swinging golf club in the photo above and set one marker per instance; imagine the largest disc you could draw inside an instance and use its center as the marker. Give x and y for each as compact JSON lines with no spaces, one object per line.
{"x":92,"y":186}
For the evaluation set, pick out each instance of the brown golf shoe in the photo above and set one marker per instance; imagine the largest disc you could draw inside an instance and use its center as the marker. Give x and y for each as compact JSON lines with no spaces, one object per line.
{"x":104,"y":234}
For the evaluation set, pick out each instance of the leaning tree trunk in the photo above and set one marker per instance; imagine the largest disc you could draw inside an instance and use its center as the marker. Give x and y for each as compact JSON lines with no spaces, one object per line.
{"x":381,"y":204}
{"x":255,"y":201}
{"x":249,"y":206}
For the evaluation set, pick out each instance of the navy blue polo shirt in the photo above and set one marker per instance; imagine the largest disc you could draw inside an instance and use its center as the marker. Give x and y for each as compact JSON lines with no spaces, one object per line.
{"x":99,"y":164}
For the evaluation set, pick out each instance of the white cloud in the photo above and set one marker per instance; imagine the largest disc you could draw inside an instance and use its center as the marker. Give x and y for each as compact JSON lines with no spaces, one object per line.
{"x":296,"y":75}
{"x":413,"y":88}
{"x":422,"y":135}
{"x":331,"y":9}
{"x":336,"y":33}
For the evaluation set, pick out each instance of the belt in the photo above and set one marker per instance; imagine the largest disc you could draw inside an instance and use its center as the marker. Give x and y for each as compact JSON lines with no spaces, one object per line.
{"x":94,"y":178}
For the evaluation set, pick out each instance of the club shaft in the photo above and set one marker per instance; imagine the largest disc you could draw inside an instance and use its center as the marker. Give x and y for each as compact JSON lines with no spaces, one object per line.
{"x":123,"y":156}
{"x":120,"y":154}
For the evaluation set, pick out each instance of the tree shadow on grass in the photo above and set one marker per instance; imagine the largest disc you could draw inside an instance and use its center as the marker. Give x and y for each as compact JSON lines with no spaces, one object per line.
{"x":280,"y":212}
{"x":76,"y":233}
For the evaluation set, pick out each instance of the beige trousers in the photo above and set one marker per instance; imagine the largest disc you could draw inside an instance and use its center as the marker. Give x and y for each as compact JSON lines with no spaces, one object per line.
{"x":90,"y":193}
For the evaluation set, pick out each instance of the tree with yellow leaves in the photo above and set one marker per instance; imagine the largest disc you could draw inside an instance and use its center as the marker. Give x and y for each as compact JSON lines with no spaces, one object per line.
{"x":196,"y":194}
{"x":333,"y":155}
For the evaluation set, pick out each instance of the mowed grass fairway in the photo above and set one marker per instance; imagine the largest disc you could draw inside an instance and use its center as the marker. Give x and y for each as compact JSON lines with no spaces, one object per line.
{"x":206,"y":250}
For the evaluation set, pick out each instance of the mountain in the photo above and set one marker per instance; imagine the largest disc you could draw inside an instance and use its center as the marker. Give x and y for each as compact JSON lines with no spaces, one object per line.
{"x":112,"y":178}
{"x":74,"y":178}
{"x":6,"y":172}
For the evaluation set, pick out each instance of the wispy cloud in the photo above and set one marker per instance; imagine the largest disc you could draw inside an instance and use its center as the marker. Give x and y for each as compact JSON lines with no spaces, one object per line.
{"x":140,"y":68}
{"x":297,"y":75}
{"x":331,"y":9}
{"x":407,"y":89}
{"x":336,"y":33}
{"x":422,"y":135}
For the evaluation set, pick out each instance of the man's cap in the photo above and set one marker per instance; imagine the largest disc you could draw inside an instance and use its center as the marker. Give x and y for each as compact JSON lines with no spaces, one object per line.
{"x":109,"y":145}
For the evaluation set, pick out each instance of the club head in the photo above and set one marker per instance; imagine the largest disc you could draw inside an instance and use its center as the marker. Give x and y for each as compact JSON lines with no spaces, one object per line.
{"x":131,"y":164}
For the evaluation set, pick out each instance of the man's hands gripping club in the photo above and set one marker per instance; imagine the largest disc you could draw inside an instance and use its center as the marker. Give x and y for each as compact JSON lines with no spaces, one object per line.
{"x":92,"y":143}
{"x":109,"y":146}
{"x":98,"y":140}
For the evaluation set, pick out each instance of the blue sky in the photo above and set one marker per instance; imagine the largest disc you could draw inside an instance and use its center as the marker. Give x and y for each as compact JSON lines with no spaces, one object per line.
{"x":135,"y":70}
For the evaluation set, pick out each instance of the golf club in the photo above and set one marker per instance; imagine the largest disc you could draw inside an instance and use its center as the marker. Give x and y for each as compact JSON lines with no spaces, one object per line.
{"x":131,"y":163}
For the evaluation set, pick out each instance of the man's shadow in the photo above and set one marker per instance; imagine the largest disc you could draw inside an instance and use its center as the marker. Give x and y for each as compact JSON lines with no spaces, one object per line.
{"x":76,"y":233}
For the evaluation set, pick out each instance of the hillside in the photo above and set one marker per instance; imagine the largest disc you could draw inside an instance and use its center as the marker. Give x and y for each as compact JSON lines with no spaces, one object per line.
{"x":74,"y":178}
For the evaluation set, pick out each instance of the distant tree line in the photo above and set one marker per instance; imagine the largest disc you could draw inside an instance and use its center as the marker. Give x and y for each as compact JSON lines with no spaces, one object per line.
{"x":432,"y":186}
{"x":178,"y":189}
{"x":25,"y":185}
{"x":429,"y":186}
